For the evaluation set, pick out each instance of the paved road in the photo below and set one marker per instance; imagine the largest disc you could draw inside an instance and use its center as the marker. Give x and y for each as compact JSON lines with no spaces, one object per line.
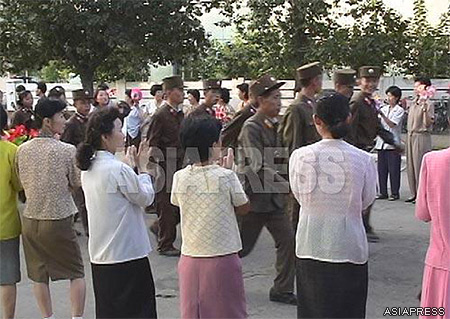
{"x":396,"y":264}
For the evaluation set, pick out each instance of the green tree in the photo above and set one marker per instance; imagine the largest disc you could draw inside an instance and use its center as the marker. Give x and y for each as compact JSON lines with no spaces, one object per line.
{"x":429,"y":46}
{"x":375,"y":36}
{"x":109,"y":37}
{"x":54,"y":71}
{"x":280,"y":35}
{"x":276,"y":36}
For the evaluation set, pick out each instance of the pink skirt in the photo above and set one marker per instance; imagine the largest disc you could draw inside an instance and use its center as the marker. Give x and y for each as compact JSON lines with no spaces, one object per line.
{"x":436,"y":290}
{"x":211,"y":287}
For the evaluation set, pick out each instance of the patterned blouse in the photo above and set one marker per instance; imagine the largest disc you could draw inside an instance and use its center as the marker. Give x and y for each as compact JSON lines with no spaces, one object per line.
{"x":207,"y":196}
{"x":47,"y":170}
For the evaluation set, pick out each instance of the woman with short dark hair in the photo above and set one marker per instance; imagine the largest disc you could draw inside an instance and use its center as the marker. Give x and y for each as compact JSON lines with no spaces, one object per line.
{"x":243,"y":95}
{"x":24,"y":115}
{"x":223,"y":110}
{"x":193,"y":97}
{"x":101,"y":98}
{"x":209,"y":195}
{"x":118,"y":239}
{"x":158,"y":98}
{"x":389,"y":160}
{"x":334,"y":183}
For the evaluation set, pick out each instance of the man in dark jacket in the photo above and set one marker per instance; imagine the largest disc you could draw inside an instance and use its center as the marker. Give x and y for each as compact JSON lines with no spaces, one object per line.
{"x":259,"y":153}
{"x":75,"y":133}
{"x":211,"y":91}
{"x":366,"y":124}
{"x":165,"y":158}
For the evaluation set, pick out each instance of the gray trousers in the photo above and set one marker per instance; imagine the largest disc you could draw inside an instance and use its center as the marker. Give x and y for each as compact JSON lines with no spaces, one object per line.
{"x":417,"y":145}
{"x":279,"y":226}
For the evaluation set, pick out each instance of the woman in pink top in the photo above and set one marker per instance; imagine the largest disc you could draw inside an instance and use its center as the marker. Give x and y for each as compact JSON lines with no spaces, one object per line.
{"x":433,"y":204}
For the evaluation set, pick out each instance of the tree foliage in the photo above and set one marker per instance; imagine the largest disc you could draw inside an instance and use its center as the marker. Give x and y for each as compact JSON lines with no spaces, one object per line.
{"x":110,"y":37}
{"x":280,"y":35}
{"x":429,"y":46}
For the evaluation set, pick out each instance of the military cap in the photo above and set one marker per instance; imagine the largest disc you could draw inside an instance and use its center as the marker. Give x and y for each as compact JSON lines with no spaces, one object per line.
{"x":81,"y":95}
{"x":172,"y":82}
{"x":308,"y":71}
{"x":56,"y":92}
{"x":212,"y":84}
{"x":369,"y":72}
{"x":264,"y":84}
{"x":345,"y":77}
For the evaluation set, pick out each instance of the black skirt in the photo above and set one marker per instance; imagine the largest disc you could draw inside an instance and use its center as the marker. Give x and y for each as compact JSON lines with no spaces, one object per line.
{"x":124,"y":290}
{"x":331,"y":290}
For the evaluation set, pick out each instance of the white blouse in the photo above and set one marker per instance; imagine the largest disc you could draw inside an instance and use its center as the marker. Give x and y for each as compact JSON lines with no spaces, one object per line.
{"x":207,"y":196}
{"x":394,"y":114}
{"x":115,"y":197}
{"x":333,"y":182}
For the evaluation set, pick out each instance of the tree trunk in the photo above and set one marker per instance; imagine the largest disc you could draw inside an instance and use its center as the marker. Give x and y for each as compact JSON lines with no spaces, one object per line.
{"x":87,"y":80}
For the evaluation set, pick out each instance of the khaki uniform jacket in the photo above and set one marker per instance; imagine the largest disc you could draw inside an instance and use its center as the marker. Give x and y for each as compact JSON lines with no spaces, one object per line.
{"x":297,"y":128}
{"x":366,"y":124}
{"x":231,"y":131}
{"x":259,"y":152}
{"x":75,"y":131}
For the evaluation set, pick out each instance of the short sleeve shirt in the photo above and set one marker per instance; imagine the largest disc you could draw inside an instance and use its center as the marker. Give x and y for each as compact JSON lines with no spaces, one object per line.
{"x":207,"y":196}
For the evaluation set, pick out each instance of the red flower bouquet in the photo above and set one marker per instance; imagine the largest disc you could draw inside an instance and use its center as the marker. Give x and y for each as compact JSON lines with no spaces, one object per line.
{"x":20,"y":134}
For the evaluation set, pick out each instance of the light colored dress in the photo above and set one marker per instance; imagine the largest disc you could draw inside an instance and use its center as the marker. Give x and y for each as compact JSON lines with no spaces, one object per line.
{"x":433,"y":205}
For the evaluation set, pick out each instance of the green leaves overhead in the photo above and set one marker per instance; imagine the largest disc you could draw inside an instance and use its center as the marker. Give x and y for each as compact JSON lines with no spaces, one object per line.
{"x":91,"y":34}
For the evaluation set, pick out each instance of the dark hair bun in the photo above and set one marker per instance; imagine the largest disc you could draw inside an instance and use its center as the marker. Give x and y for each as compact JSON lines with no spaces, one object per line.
{"x":334,"y":110}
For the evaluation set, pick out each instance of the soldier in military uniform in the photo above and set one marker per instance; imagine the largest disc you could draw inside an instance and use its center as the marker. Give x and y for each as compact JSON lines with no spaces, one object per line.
{"x":165,"y":158}
{"x":75,"y":133}
{"x":344,"y":82}
{"x":297,"y":128}
{"x":366,"y":124}
{"x":75,"y":130}
{"x":259,"y":149}
{"x":211,"y":92}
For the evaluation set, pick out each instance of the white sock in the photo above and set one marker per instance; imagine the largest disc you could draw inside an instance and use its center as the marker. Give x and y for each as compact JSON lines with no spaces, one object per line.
{"x":51,"y":317}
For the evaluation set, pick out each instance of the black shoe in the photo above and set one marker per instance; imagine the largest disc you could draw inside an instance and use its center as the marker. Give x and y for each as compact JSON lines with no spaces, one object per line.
{"x":393,"y":197}
{"x":372,"y":237}
{"x":288,"y":298}
{"x":411,"y":200}
{"x":382,"y":196}
{"x":172,"y":252}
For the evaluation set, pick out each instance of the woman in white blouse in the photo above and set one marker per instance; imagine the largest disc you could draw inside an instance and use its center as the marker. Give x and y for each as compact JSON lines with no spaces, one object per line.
{"x":334,"y":183}
{"x":118,"y":241}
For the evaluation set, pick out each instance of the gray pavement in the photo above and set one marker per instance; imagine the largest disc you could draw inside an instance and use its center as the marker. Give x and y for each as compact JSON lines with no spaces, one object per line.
{"x":396,"y":264}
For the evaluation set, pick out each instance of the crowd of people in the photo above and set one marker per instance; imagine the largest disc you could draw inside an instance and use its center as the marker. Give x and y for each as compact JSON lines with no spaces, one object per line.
{"x":308,"y":177}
